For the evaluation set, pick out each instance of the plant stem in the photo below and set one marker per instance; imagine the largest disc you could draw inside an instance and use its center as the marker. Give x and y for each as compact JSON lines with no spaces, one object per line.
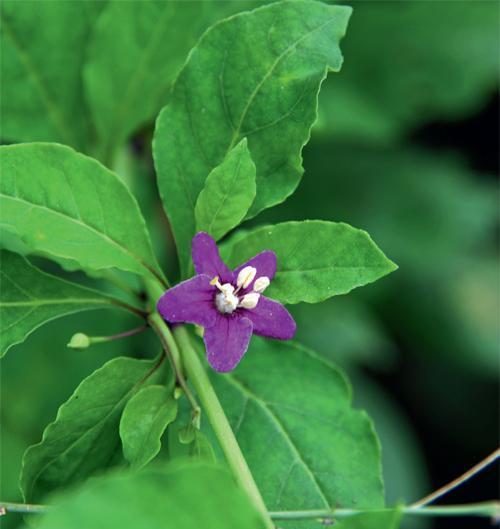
{"x":487,"y":510}
{"x":458,"y":481}
{"x":171,"y":350}
{"x":126,"y":306}
{"x":219,"y":422}
{"x":22,"y":507}
{"x":125,"y":334}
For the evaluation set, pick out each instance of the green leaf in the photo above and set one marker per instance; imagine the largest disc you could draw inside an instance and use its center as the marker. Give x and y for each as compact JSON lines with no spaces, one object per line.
{"x":306,"y":447}
{"x":174,"y":496}
{"x":155,"y":37}
{"x":84,"y":437}
{"x":145,"y":418}
{"x":316,"y":259}
{"x":201,"y":448}
{"x":64,"y":205}
{"x":29,"y":298}
{"x":185,"y":440}
{"x":188,"y":441}
{"x":228,"y":193}
{"x":43,"y":49}
{"x":286,"y":49}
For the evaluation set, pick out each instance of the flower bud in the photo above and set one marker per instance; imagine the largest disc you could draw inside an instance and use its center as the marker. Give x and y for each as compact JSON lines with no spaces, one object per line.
{"x":261,"y":283}
{"x":79,"y":341}
{"x":246,"y":276}
{"x":249,"y":301}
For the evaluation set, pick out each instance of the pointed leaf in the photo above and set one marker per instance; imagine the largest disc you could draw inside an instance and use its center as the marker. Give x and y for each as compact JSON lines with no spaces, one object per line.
{"x":29,"y":298}
{"x":175,"y":496}
{"x":254,"y":75}
{"x":145,"y":418}
{"x":316,"y":259}
{"x":228,"y":193}
{"x":155,"y":37}
{"x":306,"y":446}
{"x":43,"y":49}
{"x":60,"y":203}
{"x":84,"y":437}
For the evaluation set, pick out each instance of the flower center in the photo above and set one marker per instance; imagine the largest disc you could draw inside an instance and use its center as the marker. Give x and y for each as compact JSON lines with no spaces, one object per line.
{"x":227,"y":299}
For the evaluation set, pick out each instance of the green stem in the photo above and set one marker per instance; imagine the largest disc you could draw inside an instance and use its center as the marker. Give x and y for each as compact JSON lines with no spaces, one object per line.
{"x":486,"y":510}
{"x":125,"y":334}
{"x":6,"y":507}
{"x":126,"y":306}
{"x":170,"y":347}
{"x":219,"y":422}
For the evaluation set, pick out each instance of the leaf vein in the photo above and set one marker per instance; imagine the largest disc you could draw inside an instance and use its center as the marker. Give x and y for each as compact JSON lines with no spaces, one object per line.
{"x":286,"y":435}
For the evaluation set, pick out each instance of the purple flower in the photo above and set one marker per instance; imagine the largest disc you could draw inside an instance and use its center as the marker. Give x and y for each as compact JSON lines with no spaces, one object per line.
{"x":228,"y":304}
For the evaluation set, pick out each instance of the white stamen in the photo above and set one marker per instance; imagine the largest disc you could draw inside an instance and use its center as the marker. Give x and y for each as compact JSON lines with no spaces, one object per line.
{"x":225,"y":301}
{"x":249,"y":301}
{"x":246,"y":276}
{"x":227,"y":289}
{"x":261,"y":283}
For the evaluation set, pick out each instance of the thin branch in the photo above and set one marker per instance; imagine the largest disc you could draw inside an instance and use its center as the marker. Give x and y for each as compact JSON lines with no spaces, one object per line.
{"x":139,"y":312}
{"x":125,"y":334}
{"x":6,"y":507}
{"x":458,"y":481}
{"x":172,"y":352}
{"x":486,"y":510}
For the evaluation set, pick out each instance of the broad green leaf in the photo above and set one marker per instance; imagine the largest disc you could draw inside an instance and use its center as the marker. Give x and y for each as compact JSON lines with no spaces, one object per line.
{"x":84,"y":437}
{"x":67,"y":206}
{"x":228,"y":193}
{"x":316,"y":259}
{"x":134,"y":55}
{"x":145,"y":418}
{"x":176,"y":496}
{"x":254,"y":75}
{"x":29,"y":298}
{"x":43,"y":49}
{"x":306,"y":446}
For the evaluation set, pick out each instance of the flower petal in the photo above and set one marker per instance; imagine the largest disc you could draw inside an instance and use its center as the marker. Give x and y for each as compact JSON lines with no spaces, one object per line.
{"x":265,"y":264}
{"x":191,"y":301}
{"x":206,"y":258}
{"x":227,"y":341}
{"x":271,"y":319}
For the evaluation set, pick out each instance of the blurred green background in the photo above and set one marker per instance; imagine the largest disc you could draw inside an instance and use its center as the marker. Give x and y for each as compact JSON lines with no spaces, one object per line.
{"x":405,"y":147}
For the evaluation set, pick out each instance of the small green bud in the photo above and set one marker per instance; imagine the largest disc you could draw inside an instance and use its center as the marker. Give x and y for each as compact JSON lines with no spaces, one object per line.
{"x":178,"y":392}
{"x":187,"y":434}
{"x":79,"y":341}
